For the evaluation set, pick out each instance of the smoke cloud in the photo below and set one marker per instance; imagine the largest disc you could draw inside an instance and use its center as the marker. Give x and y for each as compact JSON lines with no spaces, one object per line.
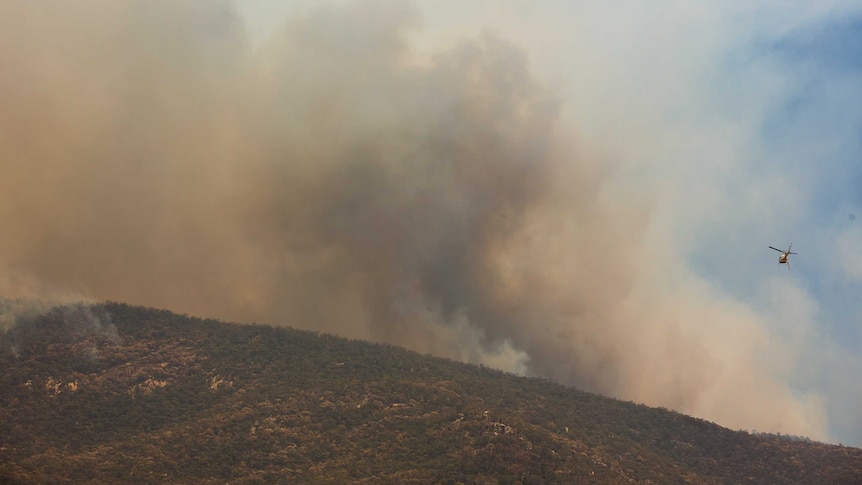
{"x":329,"y":179}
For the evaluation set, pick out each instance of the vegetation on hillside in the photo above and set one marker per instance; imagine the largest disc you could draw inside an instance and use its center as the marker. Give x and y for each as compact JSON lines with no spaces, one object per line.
{"x":121,"y":394}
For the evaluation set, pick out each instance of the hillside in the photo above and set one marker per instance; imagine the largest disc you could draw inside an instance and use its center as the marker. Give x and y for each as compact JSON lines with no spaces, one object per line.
{"x":121,"y":394}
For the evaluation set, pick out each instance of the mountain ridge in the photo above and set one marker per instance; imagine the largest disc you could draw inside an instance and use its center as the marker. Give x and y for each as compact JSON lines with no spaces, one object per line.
{"x":98,"y":393}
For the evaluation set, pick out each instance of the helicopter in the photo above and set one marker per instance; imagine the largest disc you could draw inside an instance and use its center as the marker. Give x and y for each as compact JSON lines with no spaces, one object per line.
{"x":784,"y":254}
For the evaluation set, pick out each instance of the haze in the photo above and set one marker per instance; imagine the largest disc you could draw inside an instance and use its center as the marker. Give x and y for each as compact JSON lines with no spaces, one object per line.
{"x":579,"y":192}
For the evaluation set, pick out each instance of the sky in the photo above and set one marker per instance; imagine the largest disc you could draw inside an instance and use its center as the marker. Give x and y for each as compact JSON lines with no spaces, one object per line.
{"x":584,"y":191}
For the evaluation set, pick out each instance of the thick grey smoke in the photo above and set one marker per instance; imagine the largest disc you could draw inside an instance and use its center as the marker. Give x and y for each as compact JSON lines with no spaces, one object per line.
{"x":329,"y":180}
{"x":323,"y":182}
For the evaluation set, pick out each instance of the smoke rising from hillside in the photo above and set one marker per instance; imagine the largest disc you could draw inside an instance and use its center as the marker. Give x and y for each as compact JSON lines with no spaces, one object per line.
{"x":331,"y":181}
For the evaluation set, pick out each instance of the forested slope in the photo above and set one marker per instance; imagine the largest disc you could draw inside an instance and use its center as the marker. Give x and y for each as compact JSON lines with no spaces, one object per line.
{"x":121,"y":394}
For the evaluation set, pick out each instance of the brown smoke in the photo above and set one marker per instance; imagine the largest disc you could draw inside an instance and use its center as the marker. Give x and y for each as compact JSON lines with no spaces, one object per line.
{"x":328,"y":181}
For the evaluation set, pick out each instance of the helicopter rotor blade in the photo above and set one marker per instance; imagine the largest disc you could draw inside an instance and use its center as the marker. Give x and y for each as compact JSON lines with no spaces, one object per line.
{"x":779,"y":250}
